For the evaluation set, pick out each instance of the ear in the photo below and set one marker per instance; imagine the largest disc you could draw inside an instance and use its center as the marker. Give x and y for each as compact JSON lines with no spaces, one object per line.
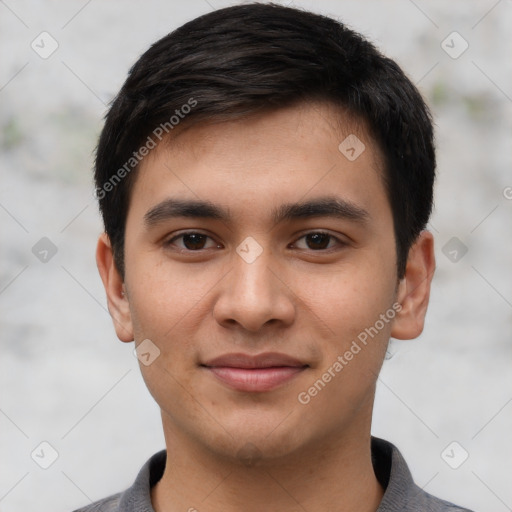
{"x":414,"y":289}
{"x":118,"y":303}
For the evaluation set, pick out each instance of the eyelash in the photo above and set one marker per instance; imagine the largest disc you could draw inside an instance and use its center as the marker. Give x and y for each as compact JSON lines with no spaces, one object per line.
{"x":339,"y":243}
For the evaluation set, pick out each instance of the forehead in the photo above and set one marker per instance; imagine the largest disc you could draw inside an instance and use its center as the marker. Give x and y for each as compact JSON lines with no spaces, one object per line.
{"x":280,"y":156}
{"x":309,"y":122}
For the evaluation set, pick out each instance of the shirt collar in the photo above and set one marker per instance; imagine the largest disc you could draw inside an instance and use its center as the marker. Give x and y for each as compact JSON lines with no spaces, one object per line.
{"x":390,"y":469}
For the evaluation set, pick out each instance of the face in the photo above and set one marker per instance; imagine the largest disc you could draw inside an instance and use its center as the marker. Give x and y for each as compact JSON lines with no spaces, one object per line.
{"x":260,"y":263}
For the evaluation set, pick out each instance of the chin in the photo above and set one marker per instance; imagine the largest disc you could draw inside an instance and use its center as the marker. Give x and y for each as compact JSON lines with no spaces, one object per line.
{"x":254,"y":444}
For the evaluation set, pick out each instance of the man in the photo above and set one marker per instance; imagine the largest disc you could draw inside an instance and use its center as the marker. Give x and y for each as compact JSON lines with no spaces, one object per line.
{"x":265,"y":176}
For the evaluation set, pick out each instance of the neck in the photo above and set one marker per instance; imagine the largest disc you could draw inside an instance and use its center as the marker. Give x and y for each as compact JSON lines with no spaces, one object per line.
{"x":335,"y":474}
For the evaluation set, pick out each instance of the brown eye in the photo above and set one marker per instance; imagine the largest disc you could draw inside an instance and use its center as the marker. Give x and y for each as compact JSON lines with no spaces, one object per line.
{"x":192,"y":241}
{"x":318,"y":240}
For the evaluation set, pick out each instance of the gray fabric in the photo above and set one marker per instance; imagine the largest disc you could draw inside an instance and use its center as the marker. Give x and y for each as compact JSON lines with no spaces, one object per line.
{"x":401,"y":493}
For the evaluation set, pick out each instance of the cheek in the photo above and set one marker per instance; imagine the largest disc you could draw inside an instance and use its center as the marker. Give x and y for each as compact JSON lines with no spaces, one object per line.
{"x":352,"y":299}
{"x":169,"y":307}
{"x":162,"y":306}
{"x":160,"y":296}
{"x":354,"y":350}
{"x":351,"y":305}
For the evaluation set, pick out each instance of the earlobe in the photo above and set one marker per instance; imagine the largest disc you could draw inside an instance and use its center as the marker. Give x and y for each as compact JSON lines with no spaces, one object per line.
{"x":117,"y":300}
{"x":414,"y":289}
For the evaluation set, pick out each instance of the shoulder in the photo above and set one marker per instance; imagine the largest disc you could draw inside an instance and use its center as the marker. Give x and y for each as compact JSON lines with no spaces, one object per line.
{"x":110,"y":504}
{"x":137,"y":497}
{"x":428,"y":503}
{"x":401,"y":493}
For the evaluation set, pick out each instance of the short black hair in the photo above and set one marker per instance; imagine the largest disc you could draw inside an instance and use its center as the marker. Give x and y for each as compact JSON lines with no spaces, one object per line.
{"x":245,"y":59}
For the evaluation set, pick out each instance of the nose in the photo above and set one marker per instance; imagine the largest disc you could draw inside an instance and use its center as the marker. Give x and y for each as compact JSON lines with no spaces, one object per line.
{"x":254,"y":295}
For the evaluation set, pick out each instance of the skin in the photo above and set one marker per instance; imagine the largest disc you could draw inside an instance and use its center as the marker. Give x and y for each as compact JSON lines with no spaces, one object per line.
{"x":231,"y":450}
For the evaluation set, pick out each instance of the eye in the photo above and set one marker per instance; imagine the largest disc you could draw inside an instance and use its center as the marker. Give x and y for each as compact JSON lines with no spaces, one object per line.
{"x":192,"y":241}
{"x":318,"y":241}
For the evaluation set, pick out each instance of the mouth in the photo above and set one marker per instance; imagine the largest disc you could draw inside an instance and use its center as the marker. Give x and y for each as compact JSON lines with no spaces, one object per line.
{"x":259,"y":373}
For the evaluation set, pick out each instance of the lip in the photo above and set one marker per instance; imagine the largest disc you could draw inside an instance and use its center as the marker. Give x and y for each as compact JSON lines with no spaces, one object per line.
{"x":258,"y":373}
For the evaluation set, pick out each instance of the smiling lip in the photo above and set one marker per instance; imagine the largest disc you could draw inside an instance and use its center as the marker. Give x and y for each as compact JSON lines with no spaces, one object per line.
{"x":255,"y":373}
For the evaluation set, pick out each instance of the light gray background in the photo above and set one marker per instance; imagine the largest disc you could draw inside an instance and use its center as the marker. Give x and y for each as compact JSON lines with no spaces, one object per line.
{"x":66,"y":380}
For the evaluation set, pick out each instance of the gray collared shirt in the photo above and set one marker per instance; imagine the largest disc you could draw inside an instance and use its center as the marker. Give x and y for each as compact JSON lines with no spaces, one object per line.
{"x":401,"y":493}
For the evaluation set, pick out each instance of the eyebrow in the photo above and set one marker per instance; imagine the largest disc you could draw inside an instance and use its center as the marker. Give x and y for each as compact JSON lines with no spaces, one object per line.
{"x":328,"y":206}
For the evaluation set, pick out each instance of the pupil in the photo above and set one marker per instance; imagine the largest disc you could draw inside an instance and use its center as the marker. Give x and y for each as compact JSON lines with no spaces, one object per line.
{"x":317,"y":240}
{"x":194,"y":241}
